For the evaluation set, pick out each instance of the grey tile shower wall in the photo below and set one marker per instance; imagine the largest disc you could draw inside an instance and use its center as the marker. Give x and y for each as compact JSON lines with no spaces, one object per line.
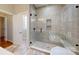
{"x":71,"y":17}
{"x":53,"y":12}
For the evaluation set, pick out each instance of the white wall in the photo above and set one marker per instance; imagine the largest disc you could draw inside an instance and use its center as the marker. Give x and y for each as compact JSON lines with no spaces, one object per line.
{"x":20,"y":34}
{"x":9,"y":28}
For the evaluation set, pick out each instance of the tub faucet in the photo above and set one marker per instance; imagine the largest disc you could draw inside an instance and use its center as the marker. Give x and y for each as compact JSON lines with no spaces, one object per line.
{"x":40,"y":29}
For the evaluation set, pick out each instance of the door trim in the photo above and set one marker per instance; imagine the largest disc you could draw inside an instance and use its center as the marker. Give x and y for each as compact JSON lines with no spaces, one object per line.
{"x":5,"y":22}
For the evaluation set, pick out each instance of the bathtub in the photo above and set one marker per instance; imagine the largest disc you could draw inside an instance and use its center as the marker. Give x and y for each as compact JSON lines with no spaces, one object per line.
{"x":53,"y":39}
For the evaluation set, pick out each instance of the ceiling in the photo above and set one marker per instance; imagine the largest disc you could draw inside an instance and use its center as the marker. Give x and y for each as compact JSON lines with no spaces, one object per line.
{"x":42,"y":5}
{"x":39,"y":5}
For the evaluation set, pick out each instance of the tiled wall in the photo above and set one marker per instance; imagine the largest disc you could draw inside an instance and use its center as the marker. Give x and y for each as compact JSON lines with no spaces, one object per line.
{"x":53,"y":12}
{"x":71,"y":17}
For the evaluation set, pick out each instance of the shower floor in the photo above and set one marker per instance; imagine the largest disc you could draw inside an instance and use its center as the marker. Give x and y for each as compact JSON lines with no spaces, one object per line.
{"x":42,"y":46}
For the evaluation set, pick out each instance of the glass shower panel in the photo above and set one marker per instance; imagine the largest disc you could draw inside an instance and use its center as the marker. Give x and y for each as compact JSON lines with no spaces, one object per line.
{"x":62,"y":22}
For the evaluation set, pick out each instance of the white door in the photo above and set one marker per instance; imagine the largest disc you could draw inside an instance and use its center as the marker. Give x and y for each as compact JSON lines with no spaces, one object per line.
{"x":20,"y":32}
{"x":19,"y":27}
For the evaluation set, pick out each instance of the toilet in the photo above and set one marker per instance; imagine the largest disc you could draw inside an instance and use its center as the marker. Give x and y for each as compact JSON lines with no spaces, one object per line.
{"x":61,"y":51}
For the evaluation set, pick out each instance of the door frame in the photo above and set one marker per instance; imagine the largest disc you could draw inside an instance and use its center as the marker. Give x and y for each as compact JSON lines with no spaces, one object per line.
{"x":5,"y":22}
{"x":5,"y":14}
{"x":5,"y":26}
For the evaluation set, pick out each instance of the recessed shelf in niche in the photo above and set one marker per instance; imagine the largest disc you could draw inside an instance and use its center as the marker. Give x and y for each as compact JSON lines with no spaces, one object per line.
{"x":48,"y":24}
{"x":48,"y":20}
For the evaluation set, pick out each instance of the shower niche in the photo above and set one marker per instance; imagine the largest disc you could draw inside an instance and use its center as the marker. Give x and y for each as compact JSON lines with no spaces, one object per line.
{"x":48,"y":24}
